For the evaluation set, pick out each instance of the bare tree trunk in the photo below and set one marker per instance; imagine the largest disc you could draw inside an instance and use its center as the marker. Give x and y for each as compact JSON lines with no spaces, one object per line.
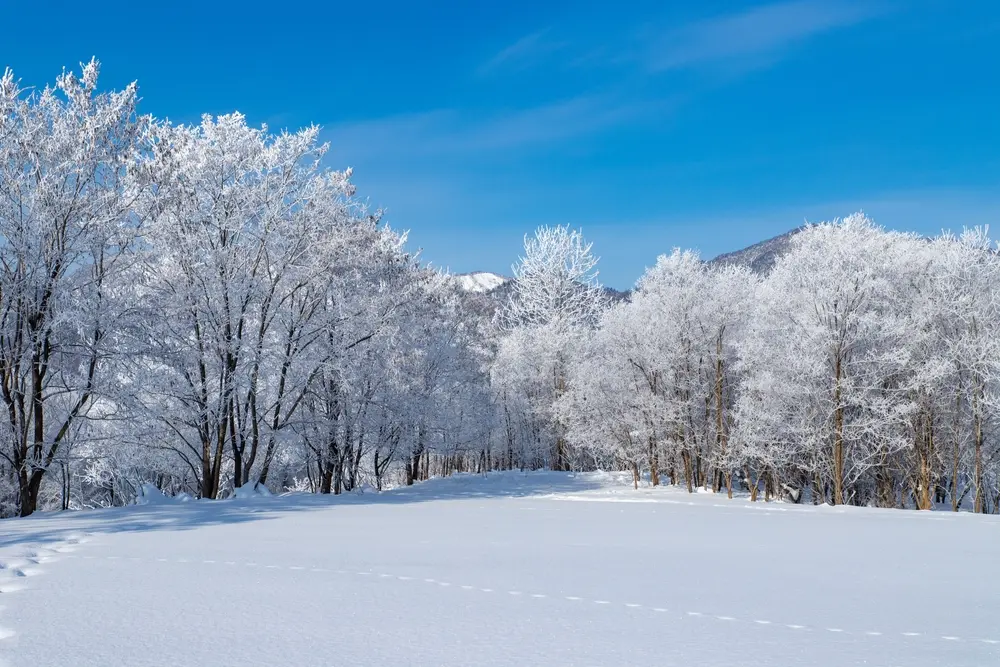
{"x":819,"y":493}
{"x":838,"y":439}
{"x":686,"y":457}
{"x":408,"y":471}
{"x":955,"y":500}
{"x":654,"y":464}
{"x":979,"y":505}
{"x":66,"y":485}
{"x":206,"y":467}
{"x":925,"y":456}
{"x":752,"y":485}
{"x":720,"y":435}
{"x":237,"y":447}
{"x":884,"y":486}
{"x":560,"y":457}
{"x":770,"y":484}
{"x":560,"y":389}
{"x":326,"y":478}
{"x":29,"y":493}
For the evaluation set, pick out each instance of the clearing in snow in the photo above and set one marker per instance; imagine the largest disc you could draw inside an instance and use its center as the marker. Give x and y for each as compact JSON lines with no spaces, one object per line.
{"x":513,"y":569}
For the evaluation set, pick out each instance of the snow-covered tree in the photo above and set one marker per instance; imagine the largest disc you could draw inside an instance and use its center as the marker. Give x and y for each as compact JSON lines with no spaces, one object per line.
{"x":71,"y":172}
{"x":825,"y":357}
{"x":556,"y":298}
{"x":246,"y":233}
{"x":656,"y":381}
{"x":204,"y":307}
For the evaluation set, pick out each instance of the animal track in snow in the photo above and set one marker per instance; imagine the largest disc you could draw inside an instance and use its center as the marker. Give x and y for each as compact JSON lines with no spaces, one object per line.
{"x":63,"y":548}
{"x":10,"y":586}
{"x":10,"y":564}
{"x":696,"y":616}
{"x":15,"y":570}
{"x":18,"y":568}
{"x":42,"y":556}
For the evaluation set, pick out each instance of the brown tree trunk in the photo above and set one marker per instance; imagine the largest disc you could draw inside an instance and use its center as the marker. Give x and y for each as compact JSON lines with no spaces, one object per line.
{"x":237,"y":448}
{"x":29,"y":493}
{"x":720,"y":435}
{"x":838,"y":440}
{"x":326,"y":478}
{"x":884,"y":487}
{"x":955,"y":455}
{"x":752,"y":485}
{"x":560,"y":389}
{"x":654,"y":464}
{"x":686,"y":457}
{"x":979,"y":505}
{"x":206,"y":468}
{"x":819,"y":493}
{"x":925,"y":455}
{"x":66,"y":485}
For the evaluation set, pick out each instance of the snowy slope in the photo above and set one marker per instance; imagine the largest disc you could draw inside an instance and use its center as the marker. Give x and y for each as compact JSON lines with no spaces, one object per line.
{"x":536,"y":569}
{"x":759,"y":257}
{"x":481,"y":281}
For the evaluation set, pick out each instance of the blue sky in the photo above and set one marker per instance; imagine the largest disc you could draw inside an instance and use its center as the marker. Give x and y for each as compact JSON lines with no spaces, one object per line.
{"x":649,"y":124}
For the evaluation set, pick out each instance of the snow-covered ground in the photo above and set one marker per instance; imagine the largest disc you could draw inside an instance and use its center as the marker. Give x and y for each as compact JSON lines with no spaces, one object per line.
{"x":509,"y":570}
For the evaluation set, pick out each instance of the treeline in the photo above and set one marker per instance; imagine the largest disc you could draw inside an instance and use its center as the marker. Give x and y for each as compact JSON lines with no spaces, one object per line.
{"x":207,"y":308}
{"x":862,"y":369}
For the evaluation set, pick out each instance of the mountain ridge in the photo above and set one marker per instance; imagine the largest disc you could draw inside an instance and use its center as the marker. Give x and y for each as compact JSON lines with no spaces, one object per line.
{"x":759,"y":257}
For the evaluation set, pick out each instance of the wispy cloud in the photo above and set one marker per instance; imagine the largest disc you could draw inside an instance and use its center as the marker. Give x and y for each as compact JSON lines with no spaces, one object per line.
{"x":522,"y":53}
{"x":450,"y":132}
{"x":748,"y":39}
{"x":762,"y":33}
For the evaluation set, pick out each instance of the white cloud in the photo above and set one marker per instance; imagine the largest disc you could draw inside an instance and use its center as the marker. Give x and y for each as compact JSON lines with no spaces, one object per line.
{"x":450,"y":132}
{"x":520,"y":53}
{"x":760,"y":33}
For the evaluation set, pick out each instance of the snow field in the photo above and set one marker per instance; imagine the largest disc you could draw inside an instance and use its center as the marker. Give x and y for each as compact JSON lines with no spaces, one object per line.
{"x":510,"y":570}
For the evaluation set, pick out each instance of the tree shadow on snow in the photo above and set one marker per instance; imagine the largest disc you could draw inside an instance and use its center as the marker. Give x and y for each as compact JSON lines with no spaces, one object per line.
{"x":171,"y":514}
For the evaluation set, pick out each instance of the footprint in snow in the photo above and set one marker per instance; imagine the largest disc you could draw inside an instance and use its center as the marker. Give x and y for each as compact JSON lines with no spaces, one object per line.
{"x":63,"y":548}
{"x":13,"y":572}
{"x":25,"y":571}
{"x":13,"y":564}
{"x":10,"y":587}
{"x":39,"y":556}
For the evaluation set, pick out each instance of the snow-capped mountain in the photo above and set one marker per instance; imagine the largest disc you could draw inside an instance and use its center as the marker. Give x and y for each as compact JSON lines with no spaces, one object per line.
{"x":759,"y":257}
{"x":480,"y":281}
